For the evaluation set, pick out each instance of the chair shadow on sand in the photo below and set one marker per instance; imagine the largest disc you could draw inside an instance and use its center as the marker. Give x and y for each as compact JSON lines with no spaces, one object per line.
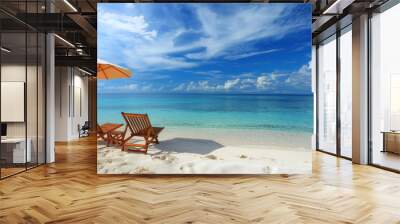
{"x":188,"y":145}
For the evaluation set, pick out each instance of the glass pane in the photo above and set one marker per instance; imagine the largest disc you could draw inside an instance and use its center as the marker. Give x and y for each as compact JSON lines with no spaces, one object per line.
{"x":386,"y":89}
{"x":327,"y":95}
{"x":41,"y":98}
{"x":346,"y":93}
{"x":23,"y":90}
{"x":13,"y":77}
{"x":31,"y":98}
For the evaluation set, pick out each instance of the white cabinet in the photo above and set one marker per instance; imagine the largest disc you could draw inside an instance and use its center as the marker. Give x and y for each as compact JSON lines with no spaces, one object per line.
{"x":15,"y":149}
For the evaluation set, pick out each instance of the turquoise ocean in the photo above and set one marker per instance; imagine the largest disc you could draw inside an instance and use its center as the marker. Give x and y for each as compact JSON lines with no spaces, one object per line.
{"x":288,"y":113}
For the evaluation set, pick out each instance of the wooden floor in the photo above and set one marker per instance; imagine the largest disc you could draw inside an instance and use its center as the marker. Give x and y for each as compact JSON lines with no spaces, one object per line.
{"x":387,"y":159}
{"x":70,"y":191}
{"x":5,"y":172}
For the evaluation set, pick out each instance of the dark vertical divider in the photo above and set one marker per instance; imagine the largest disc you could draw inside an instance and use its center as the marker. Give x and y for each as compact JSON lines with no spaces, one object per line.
{"x":338,"y":81}
{"x":26,"y":80}
{"x":369,"y":36}
{"x":37,"y":91}
{"x":317,"y":97}
{"x":92,"y":102}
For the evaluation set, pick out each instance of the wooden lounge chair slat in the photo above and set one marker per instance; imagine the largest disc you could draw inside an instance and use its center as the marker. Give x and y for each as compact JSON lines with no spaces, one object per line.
{"x":140,"y":126}
{"x":142,"y":123}
{"x":139,"y":121}
{"x":136,"y":125}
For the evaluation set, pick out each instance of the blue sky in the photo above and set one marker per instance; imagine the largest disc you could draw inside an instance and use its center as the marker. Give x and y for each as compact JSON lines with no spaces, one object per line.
{"x":207,"y":48}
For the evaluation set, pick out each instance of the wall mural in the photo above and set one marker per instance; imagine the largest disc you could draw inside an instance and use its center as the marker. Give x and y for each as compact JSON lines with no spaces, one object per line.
{"x":204,"y":88}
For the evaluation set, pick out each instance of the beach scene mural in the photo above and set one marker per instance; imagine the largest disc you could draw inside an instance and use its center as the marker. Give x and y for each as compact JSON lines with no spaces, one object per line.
{"x":204,"y":88}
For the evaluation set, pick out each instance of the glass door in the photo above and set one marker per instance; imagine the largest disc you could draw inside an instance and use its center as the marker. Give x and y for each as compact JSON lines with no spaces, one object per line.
{"x":14,"y":155}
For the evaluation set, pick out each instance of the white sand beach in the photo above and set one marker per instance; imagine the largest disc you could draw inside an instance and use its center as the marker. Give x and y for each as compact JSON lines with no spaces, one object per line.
{"x":213,"y":151}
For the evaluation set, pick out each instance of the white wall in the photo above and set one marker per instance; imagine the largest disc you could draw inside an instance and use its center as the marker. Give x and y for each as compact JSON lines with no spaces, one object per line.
{"x":62,"y":81}
{"x":70,"y":83}
{"x":79,"y":110}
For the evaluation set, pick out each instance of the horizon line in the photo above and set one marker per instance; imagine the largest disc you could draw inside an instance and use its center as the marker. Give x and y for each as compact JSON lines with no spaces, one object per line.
{"x":208,"y":93}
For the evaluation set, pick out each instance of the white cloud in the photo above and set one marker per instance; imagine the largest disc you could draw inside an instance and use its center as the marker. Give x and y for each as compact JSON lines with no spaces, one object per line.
{"x":143,"y":52}
{"x":229,"y":84}
{"x":163,"y":62}
{"x":146,"y":88}
{"x":180,"y":87}
{"x":131,"y":24}
{"x":205,"y":86}
{"x":262,"y":82}
{"x":305,"y":69}
{"x":133,"y":41}
{"x":200,"y":86}
{"x":276,"y":76}
{"x":247,"y":83}
{"x":224,"y":31}
{"x":246,"y":75}
{"x":297,"y":81}
{"x":132,"y":87}
{"x":250,"y":54}
{"x":122,"y":88}
{"x":300,"y":78}
{"x":216,"y":74}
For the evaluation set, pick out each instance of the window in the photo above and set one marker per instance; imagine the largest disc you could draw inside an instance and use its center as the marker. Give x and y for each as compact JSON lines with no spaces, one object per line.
{"x":346,"y":92}
{"x":385,"y":89}
{"x":327,"y":95}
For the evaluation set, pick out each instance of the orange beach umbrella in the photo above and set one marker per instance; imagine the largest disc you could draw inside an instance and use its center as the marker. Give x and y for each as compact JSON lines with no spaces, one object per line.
{"x":106,"y":70}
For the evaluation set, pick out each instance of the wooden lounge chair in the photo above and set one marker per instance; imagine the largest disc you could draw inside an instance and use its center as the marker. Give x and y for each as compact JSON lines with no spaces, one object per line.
{"x":139,"y":125}
{"x":109,"y":133}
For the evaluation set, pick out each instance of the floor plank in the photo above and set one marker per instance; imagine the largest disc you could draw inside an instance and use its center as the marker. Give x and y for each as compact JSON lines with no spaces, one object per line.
{"x":70,"y":191}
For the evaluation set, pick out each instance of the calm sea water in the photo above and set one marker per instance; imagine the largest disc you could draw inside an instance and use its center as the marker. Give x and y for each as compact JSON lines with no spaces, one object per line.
{"x":266,"y":112}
